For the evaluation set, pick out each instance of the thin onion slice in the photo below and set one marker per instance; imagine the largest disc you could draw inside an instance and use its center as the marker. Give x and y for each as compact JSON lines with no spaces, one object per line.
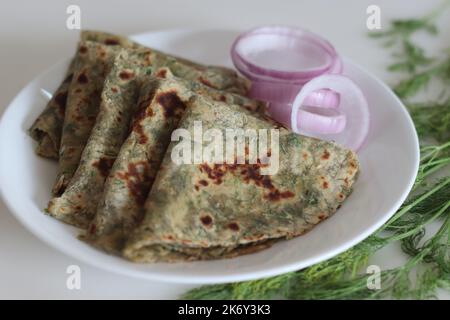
{"x":353,"y":105}
{"x":286,"y":93}
{"x":283,"y":53}
{"x":280,"y":60}
{"x":318,"y":120}
{"x":323,"y":98}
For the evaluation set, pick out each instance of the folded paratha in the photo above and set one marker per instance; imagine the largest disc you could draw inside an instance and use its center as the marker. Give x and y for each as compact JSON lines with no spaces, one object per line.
{"x":46,"y":129}
{"x":118,"y":101}
{"x":91,"y":68}
{"x":161,"y":105}
{"x":212,"y":210}
{"x":77,"y":204}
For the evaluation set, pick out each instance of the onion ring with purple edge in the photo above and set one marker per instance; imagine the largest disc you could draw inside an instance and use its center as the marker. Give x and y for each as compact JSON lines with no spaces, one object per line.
{"x":353,"y":105}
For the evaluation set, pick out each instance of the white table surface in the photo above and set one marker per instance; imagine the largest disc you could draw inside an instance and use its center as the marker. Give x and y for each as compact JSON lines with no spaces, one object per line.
{"x":33,"y":36}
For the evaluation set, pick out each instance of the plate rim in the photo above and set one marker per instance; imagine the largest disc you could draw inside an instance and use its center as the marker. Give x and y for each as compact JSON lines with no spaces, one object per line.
{"x":214,"y":279}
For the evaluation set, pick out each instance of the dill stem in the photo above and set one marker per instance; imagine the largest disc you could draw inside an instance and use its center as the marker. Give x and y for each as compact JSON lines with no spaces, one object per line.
{"x":435,"y":150}
{"x":427,"y":248}
{"x":436,"y":168}
{"x":433,"y":154}
{"x":417,"y":228}
{"x":408,"y":207}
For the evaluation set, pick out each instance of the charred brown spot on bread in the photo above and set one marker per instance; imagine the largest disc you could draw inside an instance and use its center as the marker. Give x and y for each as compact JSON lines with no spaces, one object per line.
{"x":142,"y":138}
{"x":276,"y":195}
{"x":325,"y":185}
{"x":82,"y":78}
{"x":206,"y":220}
{"x":233,"y":226}
{"x":143,"y":110}
{"x":138,"y":180}
{"x":249,"y":173}
{"x":172,"y":104}
{"x":61,"y":100}
{"x":126,"y":74}
{"x":201,"y":183}
{"x":136,"y":125}
{"x":325,"y":155}
{"x":215,"y":173}
{"x":111,"y":42}
{"x":162,"y":73}
{"x":83,"y":49}
{"x":104,"y":165}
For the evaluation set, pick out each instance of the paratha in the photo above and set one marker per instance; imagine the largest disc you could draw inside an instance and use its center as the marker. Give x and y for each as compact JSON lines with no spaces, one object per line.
{"x":77,"y":204}
{"x":161,"y":105}
{"x":93,"y":64}
{"x":46,"y":129}
{"x":118,"y":100}
{"x":212,"y":210}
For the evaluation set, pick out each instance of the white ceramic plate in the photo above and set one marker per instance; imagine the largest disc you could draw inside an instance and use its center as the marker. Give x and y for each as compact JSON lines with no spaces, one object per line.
{"x":389,"y":162}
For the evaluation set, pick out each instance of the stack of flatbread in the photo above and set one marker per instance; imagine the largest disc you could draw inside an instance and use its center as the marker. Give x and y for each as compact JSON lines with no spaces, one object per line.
{"x":110,"y":125}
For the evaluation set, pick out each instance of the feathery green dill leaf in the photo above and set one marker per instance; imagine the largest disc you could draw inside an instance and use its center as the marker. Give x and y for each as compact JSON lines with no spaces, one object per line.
{"x":432,"y":119}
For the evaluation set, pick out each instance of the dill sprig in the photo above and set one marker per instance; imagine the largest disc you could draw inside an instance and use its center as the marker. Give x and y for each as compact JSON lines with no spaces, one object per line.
{"x":428,"y":266}
{"x":432,"y":119}
{"x":438,"y":69}
{"x":410,"y":57}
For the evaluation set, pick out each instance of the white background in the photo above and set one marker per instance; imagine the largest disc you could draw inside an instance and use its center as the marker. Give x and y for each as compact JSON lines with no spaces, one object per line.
{"x":33,"y":36}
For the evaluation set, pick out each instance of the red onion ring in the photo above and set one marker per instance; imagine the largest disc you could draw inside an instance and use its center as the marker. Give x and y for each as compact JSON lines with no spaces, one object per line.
{"x":284,"y":64}
{"x":294,"y":40}
{"x":285,"y":93}
{"x":276,"y":86}
{"x":353,"y":105}
{"x":318,"y":120}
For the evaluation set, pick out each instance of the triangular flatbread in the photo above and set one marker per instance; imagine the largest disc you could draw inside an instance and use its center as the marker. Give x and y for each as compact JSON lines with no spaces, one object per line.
{"x":210,"y":210}
{"x":87,"y":151}
{"x":161,"y":105}
{"x":46,"y":129}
